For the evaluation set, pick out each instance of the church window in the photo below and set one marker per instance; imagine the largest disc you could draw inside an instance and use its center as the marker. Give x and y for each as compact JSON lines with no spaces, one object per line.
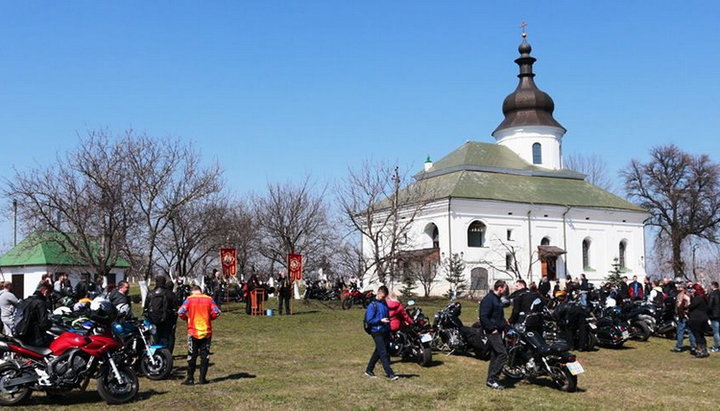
{"x":508,"y":261}
{"x":509,"y":234}
{"x":537,"y":153}
{"x":586,"y":253}
{"x":621,"y":253}
{"x":476,"y":234}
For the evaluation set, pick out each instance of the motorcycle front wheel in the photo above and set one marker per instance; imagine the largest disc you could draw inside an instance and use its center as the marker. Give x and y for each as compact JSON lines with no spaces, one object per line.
{"x":112,"y":391}
{"x":424,"y":358}
{"x":13,"y":395}
{"x":162,"y":367}
{"x":514,"y":367}
{"x":564,"y":379}
{"x":347,"y":303}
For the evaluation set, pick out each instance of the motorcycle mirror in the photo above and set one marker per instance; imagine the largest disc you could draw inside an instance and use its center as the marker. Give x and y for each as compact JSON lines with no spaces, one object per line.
{"x":535,"y":302}
{"x":411,"y":302}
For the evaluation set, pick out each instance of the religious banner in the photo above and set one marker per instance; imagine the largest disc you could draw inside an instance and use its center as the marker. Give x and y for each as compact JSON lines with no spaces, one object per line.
{"x":228,"y":259}
{"x":295,"y":267}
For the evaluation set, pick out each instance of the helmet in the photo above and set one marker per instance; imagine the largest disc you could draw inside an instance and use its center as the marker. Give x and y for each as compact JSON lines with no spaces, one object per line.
{"x":560,"y":295}
{"x":62,"y":311}
{"x":102,"y":311}
{"x":122,"y":310}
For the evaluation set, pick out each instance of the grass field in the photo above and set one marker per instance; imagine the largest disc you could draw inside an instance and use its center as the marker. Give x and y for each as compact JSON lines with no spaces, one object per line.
{"x":315,"y":360}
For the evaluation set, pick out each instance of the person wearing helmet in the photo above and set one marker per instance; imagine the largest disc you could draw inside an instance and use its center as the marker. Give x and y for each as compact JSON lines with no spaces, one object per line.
{"x":199,"y":310}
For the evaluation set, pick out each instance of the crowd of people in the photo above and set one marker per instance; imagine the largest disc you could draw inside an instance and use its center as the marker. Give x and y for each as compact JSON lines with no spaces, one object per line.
{"x":696,"y":310}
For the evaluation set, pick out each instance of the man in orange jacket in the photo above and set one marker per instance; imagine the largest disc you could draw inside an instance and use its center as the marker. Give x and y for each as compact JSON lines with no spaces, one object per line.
{"x":199,"y":310}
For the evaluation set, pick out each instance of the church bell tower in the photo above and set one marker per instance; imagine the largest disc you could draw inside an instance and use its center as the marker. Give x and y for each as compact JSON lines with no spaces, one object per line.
{"x":529,"y":128}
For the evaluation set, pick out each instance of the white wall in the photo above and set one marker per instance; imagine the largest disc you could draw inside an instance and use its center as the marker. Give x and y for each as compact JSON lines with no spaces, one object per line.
{"x":33,"y":274}
{"x":521,"y":139}
{"x":606,"y":228}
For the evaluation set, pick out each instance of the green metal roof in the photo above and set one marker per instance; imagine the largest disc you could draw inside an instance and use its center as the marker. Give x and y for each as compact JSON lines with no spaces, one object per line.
{"x":492,"y":172}
{"x":44,"y":248}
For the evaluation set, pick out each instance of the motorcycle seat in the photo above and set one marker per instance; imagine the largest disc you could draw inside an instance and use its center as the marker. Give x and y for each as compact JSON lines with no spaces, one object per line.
{"x":44,"y":351}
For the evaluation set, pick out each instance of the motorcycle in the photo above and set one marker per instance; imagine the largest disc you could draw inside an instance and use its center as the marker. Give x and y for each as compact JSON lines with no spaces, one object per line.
{"x":354,"y":296}
{"x":607,"y":331}
{"x":631,"y":314}
{"x":529,"y":356}
{"x":71,"y":360}
{"x":449,"y":334}
{"x":414,"y":340}
{"x":152,"y":360}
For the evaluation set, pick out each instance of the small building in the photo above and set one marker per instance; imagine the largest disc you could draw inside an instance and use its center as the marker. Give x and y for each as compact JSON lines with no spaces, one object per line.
{"x":42,"y":253}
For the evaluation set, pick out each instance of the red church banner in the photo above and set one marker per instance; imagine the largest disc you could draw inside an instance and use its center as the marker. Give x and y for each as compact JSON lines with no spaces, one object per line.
{"x":228,"y":259}
{"x":295,"y":267}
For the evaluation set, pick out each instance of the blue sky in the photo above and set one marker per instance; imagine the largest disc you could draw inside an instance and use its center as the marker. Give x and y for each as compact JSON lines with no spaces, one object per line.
{"x":277,"y":89}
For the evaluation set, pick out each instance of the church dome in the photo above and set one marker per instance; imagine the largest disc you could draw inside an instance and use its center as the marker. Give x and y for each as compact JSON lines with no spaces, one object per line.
{"x":527,"y":105}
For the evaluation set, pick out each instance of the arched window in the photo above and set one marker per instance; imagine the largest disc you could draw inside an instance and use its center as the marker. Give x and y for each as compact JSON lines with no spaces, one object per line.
{"x":545,"y":241}
{"x":476,"y":234}
{"x":537,"y":153}
{"x":479,"y":279}
{"x":586,"y":253}
{"x":432,"y":231}
{"x":621,"y":253}
{"x":508,"y":261}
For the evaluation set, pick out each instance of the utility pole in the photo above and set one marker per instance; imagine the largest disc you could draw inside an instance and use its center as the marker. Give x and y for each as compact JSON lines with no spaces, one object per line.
{"x":14,"y":222}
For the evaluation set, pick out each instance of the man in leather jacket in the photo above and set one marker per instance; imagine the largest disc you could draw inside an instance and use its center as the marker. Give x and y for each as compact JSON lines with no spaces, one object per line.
{"x":493,"y":322}
{"x":523,"y":309}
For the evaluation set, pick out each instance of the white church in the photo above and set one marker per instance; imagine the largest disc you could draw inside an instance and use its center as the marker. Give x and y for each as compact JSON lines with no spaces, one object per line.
{"x":512,"y":201}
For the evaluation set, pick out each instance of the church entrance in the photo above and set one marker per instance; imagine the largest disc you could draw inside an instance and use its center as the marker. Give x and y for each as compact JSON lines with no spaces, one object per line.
{"x":548,"y":260}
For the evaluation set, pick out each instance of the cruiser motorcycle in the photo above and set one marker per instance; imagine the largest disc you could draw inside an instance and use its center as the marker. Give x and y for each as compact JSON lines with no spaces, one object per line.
{"x":449,"y":334}
{"x":413,"y":341}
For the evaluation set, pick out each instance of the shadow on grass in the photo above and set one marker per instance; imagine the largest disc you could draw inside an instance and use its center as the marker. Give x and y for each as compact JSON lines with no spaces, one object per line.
{"x":83,"y":397}
{"x":403,"y":376}
{"x":231,"y":377}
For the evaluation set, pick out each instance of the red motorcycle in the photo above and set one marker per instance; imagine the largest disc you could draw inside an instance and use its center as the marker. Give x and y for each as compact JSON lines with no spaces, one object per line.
{"x":70,"y":362}
{"x":355,"y":296}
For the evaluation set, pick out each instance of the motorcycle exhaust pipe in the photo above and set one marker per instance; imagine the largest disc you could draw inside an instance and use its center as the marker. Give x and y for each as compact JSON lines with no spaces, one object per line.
{"x":666,"y":329}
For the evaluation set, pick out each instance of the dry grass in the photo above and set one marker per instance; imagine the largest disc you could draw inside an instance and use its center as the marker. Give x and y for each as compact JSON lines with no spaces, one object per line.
{"x":315,"y":360}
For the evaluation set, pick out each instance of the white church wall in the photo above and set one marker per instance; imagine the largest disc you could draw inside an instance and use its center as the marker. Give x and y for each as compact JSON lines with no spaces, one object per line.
{"x":521,"y":139}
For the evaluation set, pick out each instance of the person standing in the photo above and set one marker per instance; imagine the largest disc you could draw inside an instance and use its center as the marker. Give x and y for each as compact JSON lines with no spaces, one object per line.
{"x":493,"y":322}
{"x":623,"y":291}
{"x":119,"y":295}
{"x":698,"y":322}
{"x":377,"y":318}
{"x":682,"y":301}
{"x":160,"y":310}
{"x":713,"y":314}
{"x":636,"y":290}
{"x":648,"y":286}
{"x":199,"y":310}
{"x":8,"y":302}
{"x":544,"y":287}
{"x":523,"y":310}
{"x":284,"y":293}
{"x":36,"y":322}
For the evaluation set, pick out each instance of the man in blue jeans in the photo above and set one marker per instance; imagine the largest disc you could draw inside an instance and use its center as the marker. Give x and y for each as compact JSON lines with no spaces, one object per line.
{"x":682,"y":302}
{"x":377,"y":318}
{"x":714,"y":314}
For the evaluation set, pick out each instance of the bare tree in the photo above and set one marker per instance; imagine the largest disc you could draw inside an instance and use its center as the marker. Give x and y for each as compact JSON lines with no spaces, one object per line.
{"x":593,"y":166}
{"x":240,"y":231}
{"x":427,"y":275}
{"x":81,"y":199}
{"x":192,"y":239}
{"x":511,"y":263}
{"x":379,"y":202}
{"x":682,"y":194}
{"x":292,"y":218}
{"x":164,"y":175}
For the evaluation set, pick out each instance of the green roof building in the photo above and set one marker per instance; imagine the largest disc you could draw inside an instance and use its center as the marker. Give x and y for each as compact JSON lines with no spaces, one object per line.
{"x":511,"y":210}
{"x":42,"y":253}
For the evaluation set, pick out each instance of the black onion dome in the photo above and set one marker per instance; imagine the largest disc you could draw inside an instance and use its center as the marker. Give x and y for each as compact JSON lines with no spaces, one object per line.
{"x":527,"y":105}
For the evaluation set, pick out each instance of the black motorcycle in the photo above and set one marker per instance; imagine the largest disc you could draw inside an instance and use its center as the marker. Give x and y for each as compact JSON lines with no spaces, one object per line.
{"x":450,"y":335}
{"x":632,"y":315}
{"x":607,"y":331}
{"x":413,"y":341}
{"x":529,"y":356}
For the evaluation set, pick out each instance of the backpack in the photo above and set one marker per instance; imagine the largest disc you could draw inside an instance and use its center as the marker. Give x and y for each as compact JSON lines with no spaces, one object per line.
{"x":366,"y":326}
{"x":21,"y":321}
{"x":157,"y":306}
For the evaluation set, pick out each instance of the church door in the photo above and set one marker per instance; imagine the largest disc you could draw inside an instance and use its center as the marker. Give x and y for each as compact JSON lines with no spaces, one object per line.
{"x":18,"y":282}
{"x":548,"y":267}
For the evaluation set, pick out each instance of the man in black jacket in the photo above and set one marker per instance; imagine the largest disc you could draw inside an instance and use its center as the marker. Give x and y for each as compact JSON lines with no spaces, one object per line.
{"x":493,"y":322}
{"x":714,"y":314}
{"x":38,"y":322}
{"x":160,"y":308}
{"x":523,"y":309}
